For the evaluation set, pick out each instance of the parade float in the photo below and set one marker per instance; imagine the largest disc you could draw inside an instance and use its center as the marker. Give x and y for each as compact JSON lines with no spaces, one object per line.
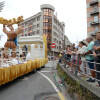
{"x":13,"y":66}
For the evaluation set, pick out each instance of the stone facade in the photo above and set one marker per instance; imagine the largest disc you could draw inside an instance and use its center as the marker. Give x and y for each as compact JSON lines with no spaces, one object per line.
{"x":66,"y":41}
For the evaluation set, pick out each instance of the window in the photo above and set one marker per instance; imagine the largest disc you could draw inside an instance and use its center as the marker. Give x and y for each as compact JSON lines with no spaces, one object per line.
{"x":38,"y":31}
{"x":25,"y":29}
{"x":29,"y":34}
{"x":96,"y":18}
{"x":38,"y":25}
{"x":96,"y":28}
{"x":34,"y":20}
{"x":33,"y":33}
{"x":38,"y":18}
{"x":95,"y":8}
{"x":34,"y":26}
{"x":25,"y":34}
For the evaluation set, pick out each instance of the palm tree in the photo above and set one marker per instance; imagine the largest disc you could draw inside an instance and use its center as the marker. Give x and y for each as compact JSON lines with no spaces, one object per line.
{"x":1,"y":5}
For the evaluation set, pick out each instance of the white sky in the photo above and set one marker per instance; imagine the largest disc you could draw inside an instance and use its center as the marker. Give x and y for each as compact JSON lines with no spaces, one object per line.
{"x":72,"y":12}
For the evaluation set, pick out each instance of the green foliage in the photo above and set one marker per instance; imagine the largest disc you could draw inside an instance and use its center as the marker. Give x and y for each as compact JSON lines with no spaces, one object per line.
{"x":75,"y":87}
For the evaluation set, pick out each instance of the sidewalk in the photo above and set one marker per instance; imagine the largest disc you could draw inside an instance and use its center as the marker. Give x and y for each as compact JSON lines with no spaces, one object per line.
{"x":90,"y":86}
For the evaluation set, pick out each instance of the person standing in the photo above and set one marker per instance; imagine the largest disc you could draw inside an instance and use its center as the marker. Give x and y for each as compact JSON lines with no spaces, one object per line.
{"x":96,"y":53}
{"x":90,"y":58}
{"x":83,"y":64}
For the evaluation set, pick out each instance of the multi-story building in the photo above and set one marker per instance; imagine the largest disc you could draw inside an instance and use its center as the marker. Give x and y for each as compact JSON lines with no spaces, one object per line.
{"x":45,"y":23}
{"x":66,"y":41}
{"x":93,"y":16}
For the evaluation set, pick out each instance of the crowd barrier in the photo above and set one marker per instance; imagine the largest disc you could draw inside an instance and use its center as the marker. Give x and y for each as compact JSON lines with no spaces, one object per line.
{"x":77,"y":68}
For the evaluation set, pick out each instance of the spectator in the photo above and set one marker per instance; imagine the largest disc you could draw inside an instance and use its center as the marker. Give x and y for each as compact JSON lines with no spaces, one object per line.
{"x":68,"y":53}
{"x":90,"y":58}
{"x":65,"y":57}
{"x":73,"y":59}
{"x":60,"y":58}
{"x":83,"y":64}
{"x":24,"y":48}
{"x":73,"y":46}
{"x":94,"y":37}
{"x":96,"y":53}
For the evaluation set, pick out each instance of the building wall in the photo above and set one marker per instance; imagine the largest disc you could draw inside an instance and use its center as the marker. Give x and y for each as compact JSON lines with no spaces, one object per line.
{"x":57,"y":28}
{"x":58,"y":33}
{"x":32,"y":25}
{"x":91,"y":28}
{"x":66,"y":40}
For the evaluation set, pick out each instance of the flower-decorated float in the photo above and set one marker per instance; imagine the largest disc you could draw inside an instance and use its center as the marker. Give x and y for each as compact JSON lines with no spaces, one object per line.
{"x":13,"y":64}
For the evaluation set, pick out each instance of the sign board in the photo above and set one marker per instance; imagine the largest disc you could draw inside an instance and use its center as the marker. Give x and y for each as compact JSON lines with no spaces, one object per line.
{"x":53,"y":45}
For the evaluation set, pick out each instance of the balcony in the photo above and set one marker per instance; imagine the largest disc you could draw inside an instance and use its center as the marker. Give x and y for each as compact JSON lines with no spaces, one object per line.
{"x":94,"y":12}
{"x":93,"y":33}
{"x":94,"y":2}
{"x":94,"y":23}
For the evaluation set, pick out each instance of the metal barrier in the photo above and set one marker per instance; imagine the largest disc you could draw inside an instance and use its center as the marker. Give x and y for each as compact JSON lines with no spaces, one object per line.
{"x":78,"y":66}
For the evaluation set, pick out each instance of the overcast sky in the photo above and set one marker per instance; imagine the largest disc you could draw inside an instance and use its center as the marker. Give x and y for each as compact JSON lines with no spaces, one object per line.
{"x":72,"y":12}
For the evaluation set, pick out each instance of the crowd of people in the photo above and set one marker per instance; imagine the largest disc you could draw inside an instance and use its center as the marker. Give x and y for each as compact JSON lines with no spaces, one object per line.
{"x":9,"y":56}
{"x":88,"y":56}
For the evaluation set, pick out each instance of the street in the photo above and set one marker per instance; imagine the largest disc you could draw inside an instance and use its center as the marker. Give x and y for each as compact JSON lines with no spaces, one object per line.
{"x":34,"y":86}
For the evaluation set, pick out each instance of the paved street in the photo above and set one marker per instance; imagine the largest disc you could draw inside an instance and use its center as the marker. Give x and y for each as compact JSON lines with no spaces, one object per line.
{"x":34,"y":86}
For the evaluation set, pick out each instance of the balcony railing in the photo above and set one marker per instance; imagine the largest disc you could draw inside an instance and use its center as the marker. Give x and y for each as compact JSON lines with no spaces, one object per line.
{"x":94,"y":23}
{"x":93,"y":33}
{"x":94,"y":12}
{"x":94,"y":2}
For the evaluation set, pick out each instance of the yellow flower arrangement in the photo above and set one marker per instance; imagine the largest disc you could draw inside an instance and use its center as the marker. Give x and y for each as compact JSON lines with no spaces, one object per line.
{"x":11,"y":21}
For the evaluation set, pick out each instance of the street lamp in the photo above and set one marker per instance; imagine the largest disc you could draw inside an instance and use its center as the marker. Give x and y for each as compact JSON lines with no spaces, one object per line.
{"x":1,"y":5}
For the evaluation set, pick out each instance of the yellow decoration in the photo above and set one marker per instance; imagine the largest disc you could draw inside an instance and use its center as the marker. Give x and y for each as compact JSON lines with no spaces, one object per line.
{"x":11,"y":21}
{"x":8,"y":74}
{"x":45,"y":41}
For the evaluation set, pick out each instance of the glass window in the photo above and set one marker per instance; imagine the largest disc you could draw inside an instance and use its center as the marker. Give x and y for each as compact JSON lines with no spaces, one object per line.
{"x":38,"y":25}
{"x":96,"y":28}
{"x":96,"y":18}
{"x":95,"y":8}
{"x":34,"y":26}
{"x":28,"y":34}
{"x":34,"y":20}
{"x":38,"y":18}
{"x":33,"y":33}
{"x":25,"y":34}
{"x":38,"y":31}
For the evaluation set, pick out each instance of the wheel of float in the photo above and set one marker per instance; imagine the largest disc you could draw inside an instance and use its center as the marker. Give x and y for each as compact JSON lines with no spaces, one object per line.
{"x":43,"y":66}
{"x":39,"y":68}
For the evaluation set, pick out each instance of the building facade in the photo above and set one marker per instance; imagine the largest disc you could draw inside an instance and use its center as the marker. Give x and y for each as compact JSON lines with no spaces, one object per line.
{"x":93,"y":16}
{"x":66,"y":41}
{"x":45,"y":23}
